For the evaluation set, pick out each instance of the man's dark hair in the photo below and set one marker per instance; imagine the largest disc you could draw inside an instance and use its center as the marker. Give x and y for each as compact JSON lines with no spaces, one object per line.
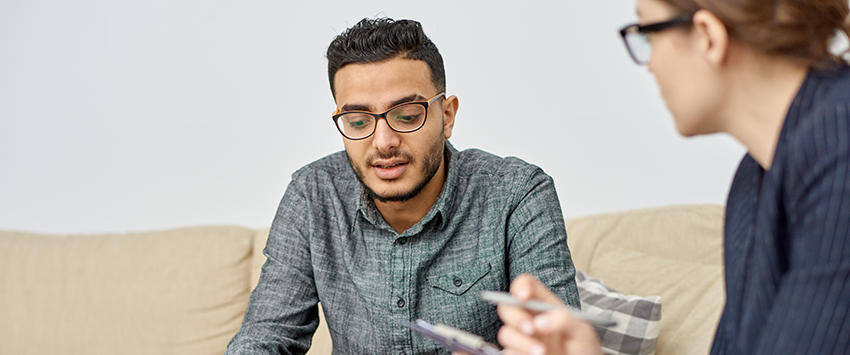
{"x":380,"y":39}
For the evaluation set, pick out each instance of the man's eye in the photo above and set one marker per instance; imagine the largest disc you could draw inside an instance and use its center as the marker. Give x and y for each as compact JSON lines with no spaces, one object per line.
{"x":407,"y":118}
{"x":358,"y":123}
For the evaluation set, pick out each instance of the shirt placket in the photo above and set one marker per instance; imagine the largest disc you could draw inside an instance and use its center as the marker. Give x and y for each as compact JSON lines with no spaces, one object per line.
{"x":400,"y":301}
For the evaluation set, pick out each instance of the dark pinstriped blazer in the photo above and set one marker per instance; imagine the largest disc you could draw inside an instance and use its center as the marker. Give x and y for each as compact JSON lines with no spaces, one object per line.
{"x":787,"y":245}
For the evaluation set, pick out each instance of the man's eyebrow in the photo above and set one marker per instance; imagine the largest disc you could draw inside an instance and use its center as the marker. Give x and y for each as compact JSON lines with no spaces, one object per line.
{"x":410,"y":98}
{"x":361,"y":107}
{"x":354,"y":107}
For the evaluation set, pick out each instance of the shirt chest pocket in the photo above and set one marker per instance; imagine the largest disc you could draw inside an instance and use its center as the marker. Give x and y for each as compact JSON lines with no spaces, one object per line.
{"x":457,"y":283}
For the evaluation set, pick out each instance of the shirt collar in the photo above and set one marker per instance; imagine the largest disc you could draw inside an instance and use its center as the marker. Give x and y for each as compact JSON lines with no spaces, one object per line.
{"x":441,"y":207}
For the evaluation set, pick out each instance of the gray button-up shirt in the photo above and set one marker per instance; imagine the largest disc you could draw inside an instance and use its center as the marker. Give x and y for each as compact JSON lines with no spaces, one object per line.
{"x":495,"y":218}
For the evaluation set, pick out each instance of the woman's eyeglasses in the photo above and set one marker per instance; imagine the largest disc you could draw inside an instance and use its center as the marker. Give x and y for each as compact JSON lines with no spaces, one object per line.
{"x":635,"y":36}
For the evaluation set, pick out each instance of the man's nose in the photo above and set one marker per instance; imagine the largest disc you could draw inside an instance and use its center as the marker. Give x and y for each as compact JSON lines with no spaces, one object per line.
{"x":385,"y":138}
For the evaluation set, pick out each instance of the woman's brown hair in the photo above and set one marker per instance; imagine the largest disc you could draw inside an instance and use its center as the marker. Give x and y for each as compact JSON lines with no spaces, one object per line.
{"x":800,"y":30}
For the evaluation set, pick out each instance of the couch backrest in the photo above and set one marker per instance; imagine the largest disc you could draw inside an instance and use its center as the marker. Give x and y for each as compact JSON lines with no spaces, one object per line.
{"x":675,"y":252}
{"x":184,"y":291}
{"x":180,"y":291}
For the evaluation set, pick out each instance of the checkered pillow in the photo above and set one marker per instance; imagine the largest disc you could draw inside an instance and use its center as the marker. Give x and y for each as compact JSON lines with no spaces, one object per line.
{"x":638,"y":318}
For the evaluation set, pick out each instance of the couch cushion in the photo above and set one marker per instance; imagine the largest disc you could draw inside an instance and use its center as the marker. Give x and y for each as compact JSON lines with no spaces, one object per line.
{"x":638,"y":318}
{"x":675,"y":252}
{"x":179,"y":291}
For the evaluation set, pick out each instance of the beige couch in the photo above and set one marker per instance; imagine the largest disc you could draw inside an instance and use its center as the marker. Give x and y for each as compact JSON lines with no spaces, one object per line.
{"x":183,"y":291}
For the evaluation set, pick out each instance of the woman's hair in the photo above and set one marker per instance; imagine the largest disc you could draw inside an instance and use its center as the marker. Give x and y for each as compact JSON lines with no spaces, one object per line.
{"x":801,"y":30}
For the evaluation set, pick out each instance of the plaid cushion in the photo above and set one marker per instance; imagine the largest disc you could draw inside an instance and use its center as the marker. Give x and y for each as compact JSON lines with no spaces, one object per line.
{"x":638,"y":318}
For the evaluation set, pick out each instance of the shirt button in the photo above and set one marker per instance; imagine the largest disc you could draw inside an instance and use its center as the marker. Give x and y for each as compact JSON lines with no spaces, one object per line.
{"x":400,"y":302}
{"x":402,"y":240}
{"x":458,"y":281}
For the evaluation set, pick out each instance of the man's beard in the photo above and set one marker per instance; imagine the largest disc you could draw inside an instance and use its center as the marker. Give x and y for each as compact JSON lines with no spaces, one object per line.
{"x":430,"y":166}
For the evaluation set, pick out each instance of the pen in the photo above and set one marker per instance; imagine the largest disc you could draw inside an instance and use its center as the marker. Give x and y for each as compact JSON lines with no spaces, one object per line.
{"x":497,"y":297}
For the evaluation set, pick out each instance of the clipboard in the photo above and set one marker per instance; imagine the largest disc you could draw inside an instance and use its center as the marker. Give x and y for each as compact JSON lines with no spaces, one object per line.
{"x":453,"y":339}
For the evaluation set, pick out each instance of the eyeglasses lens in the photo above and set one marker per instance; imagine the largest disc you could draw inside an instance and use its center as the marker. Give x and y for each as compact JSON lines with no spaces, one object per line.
{"x":407,"y":118}
{"x":639,"y":46}
{"x":356,"y":125}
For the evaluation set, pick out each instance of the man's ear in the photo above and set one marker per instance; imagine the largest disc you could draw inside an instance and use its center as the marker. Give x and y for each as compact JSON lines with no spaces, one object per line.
{"x":450,"y":105}
{"x":712,"y":36}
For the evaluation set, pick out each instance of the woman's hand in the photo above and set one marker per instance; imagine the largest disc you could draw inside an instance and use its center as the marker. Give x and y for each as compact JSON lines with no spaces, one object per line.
{"x":553,"y":333}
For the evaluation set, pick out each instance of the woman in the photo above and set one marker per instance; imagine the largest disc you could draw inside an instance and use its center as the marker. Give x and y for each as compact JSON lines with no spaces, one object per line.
{"x":760,"y":70}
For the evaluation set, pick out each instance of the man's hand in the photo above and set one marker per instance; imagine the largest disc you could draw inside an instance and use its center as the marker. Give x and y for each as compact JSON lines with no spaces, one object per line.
{"x":552,"y":333}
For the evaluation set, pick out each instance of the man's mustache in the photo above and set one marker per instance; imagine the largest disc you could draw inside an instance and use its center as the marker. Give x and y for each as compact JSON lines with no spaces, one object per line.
{"x":390,"y":155}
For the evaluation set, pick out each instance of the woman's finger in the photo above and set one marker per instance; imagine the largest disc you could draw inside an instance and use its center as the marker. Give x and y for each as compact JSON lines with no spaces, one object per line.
{"x":513,"y":315}
{"x":526,"y":287}
{"x":515,"y":341}
{"x":575,"y":336}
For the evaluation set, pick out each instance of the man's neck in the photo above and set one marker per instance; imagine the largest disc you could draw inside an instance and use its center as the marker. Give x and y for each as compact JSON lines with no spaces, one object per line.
{"x":403,"y":215}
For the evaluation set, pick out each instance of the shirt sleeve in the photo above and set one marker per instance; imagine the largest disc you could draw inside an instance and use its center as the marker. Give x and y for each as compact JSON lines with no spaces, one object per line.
{"x":537,"y":238}
{"x":811,"y":312}
{"x":282,"y":313}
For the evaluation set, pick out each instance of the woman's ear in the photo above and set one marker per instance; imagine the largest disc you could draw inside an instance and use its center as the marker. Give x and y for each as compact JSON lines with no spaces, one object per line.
{"x":712,"y":37}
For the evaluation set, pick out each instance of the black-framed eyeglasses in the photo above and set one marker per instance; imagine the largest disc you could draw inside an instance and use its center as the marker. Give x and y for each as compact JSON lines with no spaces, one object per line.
{"x":636,"y":39}
{"x":404,"y":118}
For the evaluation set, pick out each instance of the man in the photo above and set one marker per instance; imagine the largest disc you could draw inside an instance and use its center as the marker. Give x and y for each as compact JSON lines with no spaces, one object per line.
{"x":400,"y":226}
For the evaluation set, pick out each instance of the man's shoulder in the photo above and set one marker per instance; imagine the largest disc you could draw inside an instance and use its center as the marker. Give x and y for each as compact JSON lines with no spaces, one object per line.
{"x":473,"y":161}
{"x":334,"y":167}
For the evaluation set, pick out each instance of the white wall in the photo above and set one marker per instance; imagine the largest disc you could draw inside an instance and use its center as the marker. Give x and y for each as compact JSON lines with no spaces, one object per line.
{"x":150,"y":114}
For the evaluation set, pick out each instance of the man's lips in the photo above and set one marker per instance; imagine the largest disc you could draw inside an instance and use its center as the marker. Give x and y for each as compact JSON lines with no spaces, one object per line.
{"x":388,"y":163}
{"x":390,"y":169}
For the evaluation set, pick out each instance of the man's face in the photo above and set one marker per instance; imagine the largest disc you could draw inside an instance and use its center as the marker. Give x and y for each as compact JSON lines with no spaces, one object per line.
{"x":394,"y":166}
